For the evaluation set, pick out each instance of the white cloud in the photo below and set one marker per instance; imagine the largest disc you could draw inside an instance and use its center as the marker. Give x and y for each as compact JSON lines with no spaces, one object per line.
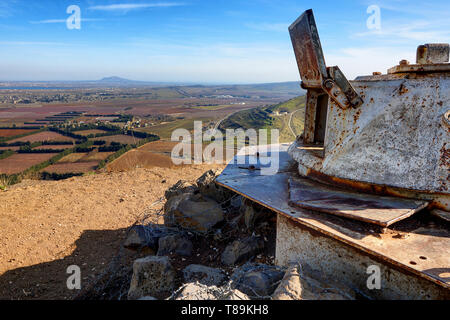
{"x":133,"y":6}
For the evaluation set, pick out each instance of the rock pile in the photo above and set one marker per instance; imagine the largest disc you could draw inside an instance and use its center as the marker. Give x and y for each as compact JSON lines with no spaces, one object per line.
{"x":213,"y":246}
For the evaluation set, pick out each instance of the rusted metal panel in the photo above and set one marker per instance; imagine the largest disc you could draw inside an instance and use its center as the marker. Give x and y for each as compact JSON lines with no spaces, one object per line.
{"x":382,"y":211}
{"x":418,"y":68}
{"x":308,"y":50}
{"x":327,"y":257}
{"x":421,"y":249}
{"x":396,"y":139}
{"x":433,"y":53}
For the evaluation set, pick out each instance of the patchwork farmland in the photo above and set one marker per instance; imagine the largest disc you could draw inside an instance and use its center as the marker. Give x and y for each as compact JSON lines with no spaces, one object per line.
{"x":58,"y":152}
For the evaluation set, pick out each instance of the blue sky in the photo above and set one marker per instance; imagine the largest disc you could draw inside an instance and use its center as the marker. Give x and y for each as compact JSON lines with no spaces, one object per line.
{"x":211,"y":41}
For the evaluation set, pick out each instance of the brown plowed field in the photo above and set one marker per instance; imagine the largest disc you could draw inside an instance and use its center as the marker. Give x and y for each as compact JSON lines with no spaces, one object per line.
{"x":43,"y":136}
{"x":74,"y":167}
{"x":13,"y":132}
{"x":19,"y":162}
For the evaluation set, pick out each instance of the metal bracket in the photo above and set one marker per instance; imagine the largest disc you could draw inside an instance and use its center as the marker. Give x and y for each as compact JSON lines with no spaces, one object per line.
{"x":312,"y":67}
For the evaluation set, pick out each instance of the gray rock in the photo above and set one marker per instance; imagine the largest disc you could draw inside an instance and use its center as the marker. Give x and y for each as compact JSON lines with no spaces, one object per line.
{"x":179,"y":188}
{"x":193,"y":212}
{"x":152,"y":276}
{"x":141,"y":237}
{"x":198,"y":291}
{"x":291,"y":287}
{"x":300,"y":286}
{"x":253,"y":214}
{"x":257,"y":280}
{"x":148,"y":298}
{"x":242,"y":250}
{"x":208,"y":187}
{"x":204,"y":275}
{"x":178,"y":244}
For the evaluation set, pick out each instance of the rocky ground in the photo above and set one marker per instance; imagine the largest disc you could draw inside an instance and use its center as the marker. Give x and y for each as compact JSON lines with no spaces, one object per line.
{"x":212,"y":245}
{"x":47,"y":226}
{"x":145,"y":234}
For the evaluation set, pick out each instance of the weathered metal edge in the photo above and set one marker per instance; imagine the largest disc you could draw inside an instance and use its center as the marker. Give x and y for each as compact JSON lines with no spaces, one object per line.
{"x":370,"y":252}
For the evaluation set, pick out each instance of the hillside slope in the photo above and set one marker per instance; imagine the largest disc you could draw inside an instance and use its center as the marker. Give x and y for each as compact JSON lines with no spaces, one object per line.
{"x":286,"y":116}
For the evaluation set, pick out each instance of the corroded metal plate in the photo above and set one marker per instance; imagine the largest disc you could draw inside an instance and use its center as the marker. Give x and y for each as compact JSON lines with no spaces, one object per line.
{"x":379,"y":210}
{"x":422,"y":250}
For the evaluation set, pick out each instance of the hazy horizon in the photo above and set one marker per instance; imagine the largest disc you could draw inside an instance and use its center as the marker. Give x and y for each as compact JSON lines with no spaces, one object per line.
{"x":205,"y":42}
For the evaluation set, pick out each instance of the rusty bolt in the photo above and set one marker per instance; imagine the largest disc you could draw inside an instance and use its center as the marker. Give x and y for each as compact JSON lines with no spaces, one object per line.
{"x":446,"y":118}
{"x":328,"y":84}
{"x":376,"y":73}
{"x":404,"y":62}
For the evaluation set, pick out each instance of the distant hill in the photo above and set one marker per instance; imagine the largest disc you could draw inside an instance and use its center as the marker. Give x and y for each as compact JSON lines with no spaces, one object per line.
{"x":115,"y":79}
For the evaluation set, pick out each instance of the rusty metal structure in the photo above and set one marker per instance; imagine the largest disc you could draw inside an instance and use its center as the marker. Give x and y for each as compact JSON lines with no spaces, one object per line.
{"x":370,"y":185}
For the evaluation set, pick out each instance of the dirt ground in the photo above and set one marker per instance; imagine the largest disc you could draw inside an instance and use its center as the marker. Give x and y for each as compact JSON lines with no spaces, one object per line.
{"x":47,"y":226}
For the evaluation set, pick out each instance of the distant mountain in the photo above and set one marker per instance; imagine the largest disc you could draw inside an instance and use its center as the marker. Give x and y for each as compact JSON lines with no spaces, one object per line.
{"x":116,"y":79}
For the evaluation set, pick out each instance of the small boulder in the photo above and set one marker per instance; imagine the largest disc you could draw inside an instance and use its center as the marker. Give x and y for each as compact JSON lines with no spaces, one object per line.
{"x":145,"y":237}
{"x":301,"y":286}
{"x":242,"y":250}
{"x":208,"y":187}
{"x":193,"y":212}
{"x":203,"y":274}
{"x":176,"y":243}
{"x":290,"y":287}
{"x":179,"y":188}
{"x":257,"y":280}
{"x":253,"y":213}
{"x":152,"y":276}
{"x":198,"y":291}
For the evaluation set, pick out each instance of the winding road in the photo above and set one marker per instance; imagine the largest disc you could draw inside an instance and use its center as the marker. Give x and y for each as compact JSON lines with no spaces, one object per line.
{"x":290,"y":121}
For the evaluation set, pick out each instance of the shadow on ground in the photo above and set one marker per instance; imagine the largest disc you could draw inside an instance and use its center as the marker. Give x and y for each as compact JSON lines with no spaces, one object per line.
{"x":93,"y":252}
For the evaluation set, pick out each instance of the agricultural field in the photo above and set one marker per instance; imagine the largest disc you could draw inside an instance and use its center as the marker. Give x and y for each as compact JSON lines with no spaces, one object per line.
{"x":53,"y":147}
{"x":78,"y":162}
{"x":72,"y":167}
{"x":124,"y":139}
{"x":20,"y":162}
{"x":89,"y":132}
{"x":5,"y":133}
{"x":125,"y":116}
{"x":9,"y":148}
{"x":158,"y":154}
{"x":43,"y":136}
